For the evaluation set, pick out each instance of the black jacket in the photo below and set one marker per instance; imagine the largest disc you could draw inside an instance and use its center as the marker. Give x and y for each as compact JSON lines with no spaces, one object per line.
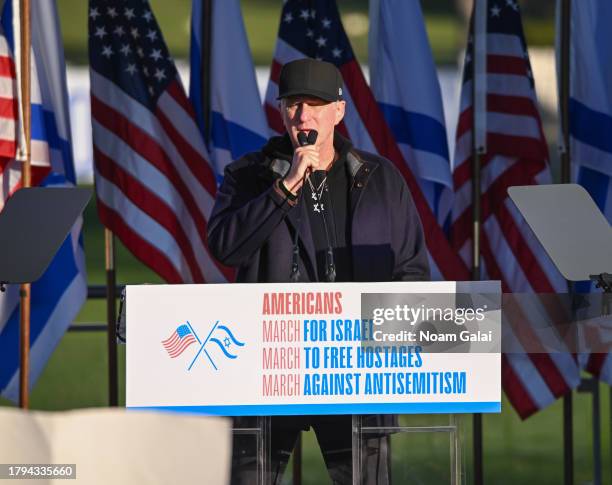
{"x":252,"y":224}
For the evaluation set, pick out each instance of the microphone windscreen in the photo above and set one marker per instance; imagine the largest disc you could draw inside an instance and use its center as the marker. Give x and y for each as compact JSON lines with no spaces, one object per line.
{"x":302,"y":138}
{"x":312,"y":137}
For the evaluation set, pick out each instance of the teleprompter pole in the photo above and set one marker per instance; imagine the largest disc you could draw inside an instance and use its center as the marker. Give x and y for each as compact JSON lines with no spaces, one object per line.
{"x":111,"y":317}
{"x":564,"y":87}
{"x":479,"y":51}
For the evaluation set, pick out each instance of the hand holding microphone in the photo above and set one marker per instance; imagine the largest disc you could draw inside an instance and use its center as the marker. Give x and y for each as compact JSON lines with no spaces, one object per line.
{"x":305,"y":157}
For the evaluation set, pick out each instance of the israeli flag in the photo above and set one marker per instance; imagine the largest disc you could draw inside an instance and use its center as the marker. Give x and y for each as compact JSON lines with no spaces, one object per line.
{"x":58,"y":295}
{"x":238,"y":123}
{"x":405,"y":83}
{"x":590,"y":121}
{"x":590,"y":105}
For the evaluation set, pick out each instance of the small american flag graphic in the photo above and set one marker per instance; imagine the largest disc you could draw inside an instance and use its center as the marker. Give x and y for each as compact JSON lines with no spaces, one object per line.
{"x":180,"y":339}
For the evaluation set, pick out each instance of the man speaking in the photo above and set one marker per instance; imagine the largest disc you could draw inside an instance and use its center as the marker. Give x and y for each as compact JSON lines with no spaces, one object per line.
{"x":309,"y":207}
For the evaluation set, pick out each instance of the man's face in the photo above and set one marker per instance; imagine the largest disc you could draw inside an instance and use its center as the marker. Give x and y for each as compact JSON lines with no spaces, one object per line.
{"x":305,"y":113}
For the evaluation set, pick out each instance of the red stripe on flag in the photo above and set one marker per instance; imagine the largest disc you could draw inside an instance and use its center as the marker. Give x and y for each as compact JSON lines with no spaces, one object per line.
{"x":8,"y":108}
{"x":175,"y":90}
{"x":522,"y":252}
{"x":7,"y":67}
{"x":516,"y":391}
{"x":449,"y":263}
{"x":512,"y":105}
{"x":464,"y":124}
{"x":275,"y":71}
{"x":520,"y":173}
{"x":141,"y":248}
{"x":197,"y":164}
{"x":463,"y":173}
{"x":143,"y":197}
{"x":512,"y":146}
{"x":532,"y":149}
{"x":186,"y":342}
{"x":8,"y":149}
{"x":195,"y":160}
{"x":498,"y":64}
{"x":274,"y":119}
{"x":596,"y":363}
{"x":169,"y":342}
{"x":341,"y":127}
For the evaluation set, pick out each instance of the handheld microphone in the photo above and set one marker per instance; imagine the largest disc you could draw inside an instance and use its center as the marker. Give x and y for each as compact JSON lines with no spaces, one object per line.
{"x":330,"y":265}
{"x":307,"y":139}
{"x":303,"y":139}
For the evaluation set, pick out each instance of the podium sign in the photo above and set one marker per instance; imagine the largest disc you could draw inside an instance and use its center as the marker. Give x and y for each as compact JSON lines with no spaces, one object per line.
{"x":296,"y":349}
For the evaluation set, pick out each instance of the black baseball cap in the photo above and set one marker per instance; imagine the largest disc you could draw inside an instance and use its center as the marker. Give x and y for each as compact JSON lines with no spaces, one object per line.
{"x":310,"y":77}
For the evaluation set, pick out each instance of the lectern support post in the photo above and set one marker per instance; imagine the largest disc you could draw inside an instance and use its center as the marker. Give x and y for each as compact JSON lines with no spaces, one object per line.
{"x":360,"y":434}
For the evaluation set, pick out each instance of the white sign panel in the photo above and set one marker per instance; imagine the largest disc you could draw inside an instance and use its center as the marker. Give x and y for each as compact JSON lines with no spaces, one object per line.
{"x":286,"y":349}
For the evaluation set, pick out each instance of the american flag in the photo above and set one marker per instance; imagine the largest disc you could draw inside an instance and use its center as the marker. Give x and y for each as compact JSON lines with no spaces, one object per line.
{"x":516,"y":154}
{"x":12,"y":139}
{"x":154,"y":184}
{"x":312,"y":28}
{"x":180,"y":339}
{"x":8,"y":104}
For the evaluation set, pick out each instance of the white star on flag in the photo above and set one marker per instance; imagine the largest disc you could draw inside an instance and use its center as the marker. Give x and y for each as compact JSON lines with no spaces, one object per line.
{"x":119,"y":30}
{"x":304,"y":14}
{"x":288,"y":18}
{"x":326,"y":23}
{"x":321,"y":41}
{"x":147,"y":15}
{"x":125,"y":49}
{"x":131,"y":68}
{"x":94,"y":14}
{"x":107,"y":51}
{"x":134,"y":32}
{"x":159,"y":74}
{"x":495,"y":11}
{"x":155,"y":54}
{"x":112,"y":12}
{"x":100,"y":32}
{"x":152,"y":35}
{"x":129,"y":13}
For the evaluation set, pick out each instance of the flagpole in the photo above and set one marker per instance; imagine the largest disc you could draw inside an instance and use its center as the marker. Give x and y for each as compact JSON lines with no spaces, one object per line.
{"x":207,"y":12}
{"x":111,"y":316}
{"x":26,"y":178}
{"x":479,"y":51}
{"x":564,"y":90}
{"x":564,"y":87}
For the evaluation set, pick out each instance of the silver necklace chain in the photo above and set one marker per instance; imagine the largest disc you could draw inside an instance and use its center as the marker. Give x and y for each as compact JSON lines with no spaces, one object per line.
{"x":318,"y":192}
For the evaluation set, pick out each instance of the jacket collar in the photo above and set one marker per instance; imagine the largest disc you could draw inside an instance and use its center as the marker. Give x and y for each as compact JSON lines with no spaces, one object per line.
{"x":279,"y":151}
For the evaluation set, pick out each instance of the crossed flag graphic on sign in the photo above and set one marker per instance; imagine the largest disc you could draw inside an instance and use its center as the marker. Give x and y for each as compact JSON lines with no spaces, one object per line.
{"x":223,"y":338}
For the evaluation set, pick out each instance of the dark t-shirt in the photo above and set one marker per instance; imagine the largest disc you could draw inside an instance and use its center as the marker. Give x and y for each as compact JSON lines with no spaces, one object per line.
{"x":328,"y":206}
